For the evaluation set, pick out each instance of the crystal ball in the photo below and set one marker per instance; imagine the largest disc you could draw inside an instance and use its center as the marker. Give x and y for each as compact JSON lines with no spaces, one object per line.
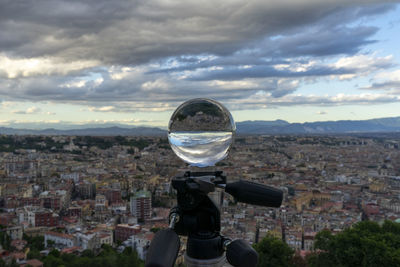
{"x":201,"y":132}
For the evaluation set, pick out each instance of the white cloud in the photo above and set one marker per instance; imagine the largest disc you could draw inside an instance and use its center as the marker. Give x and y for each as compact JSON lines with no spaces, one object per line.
{"x":388,"y":81}
{"x":102,"y":109}
{"x":157,"y":85}
{"x":388,"y":75}
{"x":362,"y":61}
{"x":7,"y":104}
{"x":132,"y":107}
{"x":121,"y":72}
{"x":361,"y":65}
{"x":123,"y":121}
{"x":242,"y":84}
{"x":31,"y":110}
{"x":76,"y":84}
{"x":257,"y":101}
{"x":26,"y":67}
{"x":297,"y":66}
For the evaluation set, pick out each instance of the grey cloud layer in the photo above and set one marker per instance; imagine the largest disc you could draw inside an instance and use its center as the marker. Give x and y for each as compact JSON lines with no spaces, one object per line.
{"x":200,"y":41}
{"x":133,"y":32}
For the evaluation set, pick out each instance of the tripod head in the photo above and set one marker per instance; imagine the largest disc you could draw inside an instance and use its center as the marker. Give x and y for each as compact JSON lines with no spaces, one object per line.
{"x":197,"y":217}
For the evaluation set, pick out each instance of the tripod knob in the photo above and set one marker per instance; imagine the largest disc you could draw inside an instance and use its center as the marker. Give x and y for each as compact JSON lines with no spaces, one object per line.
{"x":240,"y":254}
{"x":163,"y":249}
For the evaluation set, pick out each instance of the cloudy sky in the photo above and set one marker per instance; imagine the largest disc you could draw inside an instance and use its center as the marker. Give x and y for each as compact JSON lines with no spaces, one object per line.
{"x":134,"y":62}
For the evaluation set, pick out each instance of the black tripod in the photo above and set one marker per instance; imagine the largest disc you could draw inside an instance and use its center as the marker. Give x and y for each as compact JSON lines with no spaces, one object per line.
{"x":197,"y":217}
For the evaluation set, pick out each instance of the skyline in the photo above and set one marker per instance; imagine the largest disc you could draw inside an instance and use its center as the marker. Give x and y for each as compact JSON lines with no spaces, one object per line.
{"x":134,"y":63}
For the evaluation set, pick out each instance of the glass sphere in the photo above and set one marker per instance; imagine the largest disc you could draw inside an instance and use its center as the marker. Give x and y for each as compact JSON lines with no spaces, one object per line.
{"x":201,"y":132}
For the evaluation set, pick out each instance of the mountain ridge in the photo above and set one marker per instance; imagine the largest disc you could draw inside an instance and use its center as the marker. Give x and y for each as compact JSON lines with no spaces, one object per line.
{"x":390,"y":124}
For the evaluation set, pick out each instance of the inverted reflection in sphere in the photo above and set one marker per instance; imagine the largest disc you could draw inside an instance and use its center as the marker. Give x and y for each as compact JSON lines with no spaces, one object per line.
{"x":201,"y":131}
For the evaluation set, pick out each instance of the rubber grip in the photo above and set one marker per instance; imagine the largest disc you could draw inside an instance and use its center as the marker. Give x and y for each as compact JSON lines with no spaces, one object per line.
{"x":254,"y":193}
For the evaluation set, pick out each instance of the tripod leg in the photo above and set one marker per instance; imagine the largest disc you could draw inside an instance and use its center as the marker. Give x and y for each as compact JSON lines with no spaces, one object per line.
{"x":163,"y":249}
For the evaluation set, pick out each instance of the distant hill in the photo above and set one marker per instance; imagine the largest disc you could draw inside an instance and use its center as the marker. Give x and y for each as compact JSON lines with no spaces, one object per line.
{"x":324,"y":127}
{"x":384,"y":125}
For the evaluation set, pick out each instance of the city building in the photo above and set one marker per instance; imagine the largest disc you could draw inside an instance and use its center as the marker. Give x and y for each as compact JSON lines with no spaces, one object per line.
{"x":124,"y":231}
{"x":59,"y":239}
{"x":140,"y":205}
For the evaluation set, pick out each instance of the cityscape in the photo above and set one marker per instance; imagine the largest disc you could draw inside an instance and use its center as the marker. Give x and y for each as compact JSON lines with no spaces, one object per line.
{"x":190,"y":133}
{"x":82,"y":192}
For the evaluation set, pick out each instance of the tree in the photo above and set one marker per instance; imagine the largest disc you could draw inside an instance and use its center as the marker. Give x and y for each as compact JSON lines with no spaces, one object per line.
{"x":88,"y":253}
{"x":68,"y":258}
{"x":299,"y":261}
{"x":365,"y":244}
{"x":5,"y":240}
{"x":35,"y":242}
{"x":323,"y":240}
{"x":320,"y":258}
{"x":34,"y":254}
{"x":50,"y":243}
{"x":106,"y":258}
{"x":273,"y":252}
{"x":13,"y":263}
{"x":55,"y":253}
{"x":155,"y":229}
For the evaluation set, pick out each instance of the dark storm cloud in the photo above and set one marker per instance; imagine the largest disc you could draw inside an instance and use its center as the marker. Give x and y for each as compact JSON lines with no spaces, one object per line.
{"x":181,"y":50}
{"x":135,"y":32}
{"x":324,"y":42}
{"x":307,"y":44}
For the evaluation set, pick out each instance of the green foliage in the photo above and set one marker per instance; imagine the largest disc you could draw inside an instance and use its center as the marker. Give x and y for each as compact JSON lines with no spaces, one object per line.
{"x":323,"y":240}
{"x":13,"y":264}
{"x":68,"y":258}
{"x":34,"y":242}
{"x":318,"y":259}
{"x":5,"y":240}
{"x":34,"y":254}
{"x":52,"y":261}
{"x":365,"y":244}
{"x":108,"y":257}
{"x":299,"y":261}
{"x":88,"y":253}
{"x":55,"y":253}
{"x":163,"y":143}
{"x":157,"y":202}
{"x":273,"y":252}
{"x":50,"y":243}
{"x":9,"y":143}
{"x":155,"y":229}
